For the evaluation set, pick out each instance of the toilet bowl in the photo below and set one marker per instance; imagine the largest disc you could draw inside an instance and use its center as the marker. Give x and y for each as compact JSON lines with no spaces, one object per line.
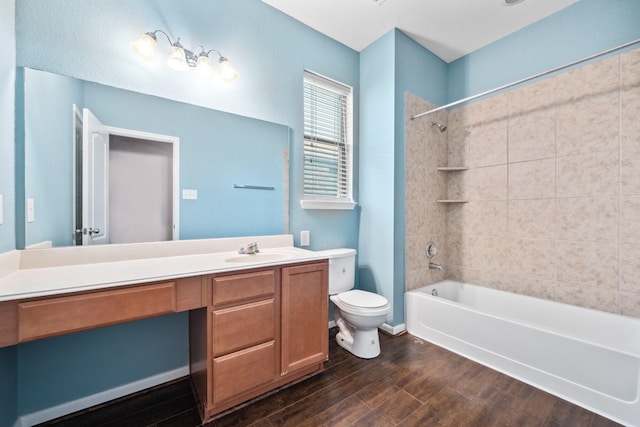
{"x":357,"y":313}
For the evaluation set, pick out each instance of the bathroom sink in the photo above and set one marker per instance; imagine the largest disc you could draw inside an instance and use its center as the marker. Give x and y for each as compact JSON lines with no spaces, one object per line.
{"x":259,"y":257}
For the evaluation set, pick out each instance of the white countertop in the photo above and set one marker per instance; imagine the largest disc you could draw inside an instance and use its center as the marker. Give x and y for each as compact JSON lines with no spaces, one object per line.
{"x":58,"y":272}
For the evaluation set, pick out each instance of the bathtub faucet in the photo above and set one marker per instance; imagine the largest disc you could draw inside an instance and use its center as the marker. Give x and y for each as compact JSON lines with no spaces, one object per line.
{"x":434,"y":266}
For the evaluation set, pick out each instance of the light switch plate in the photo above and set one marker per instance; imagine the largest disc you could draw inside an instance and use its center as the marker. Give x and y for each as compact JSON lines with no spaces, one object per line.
{"x":1,"y":209}
{"x":31,"y":210}
{"x":189,"y":194}
{"x":304,"y":238}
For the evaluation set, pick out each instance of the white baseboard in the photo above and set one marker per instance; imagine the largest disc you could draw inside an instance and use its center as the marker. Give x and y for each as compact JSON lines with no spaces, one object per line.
{"x":53,"y":412}
{"x":393,"y":330}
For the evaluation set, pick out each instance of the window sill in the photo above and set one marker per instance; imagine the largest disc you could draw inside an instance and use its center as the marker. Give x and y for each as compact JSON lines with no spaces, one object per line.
{"x":326,"y":204}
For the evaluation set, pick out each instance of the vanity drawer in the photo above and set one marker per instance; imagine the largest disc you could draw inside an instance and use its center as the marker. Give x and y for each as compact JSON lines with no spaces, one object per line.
{"x":244,"y":370}
{"x":242,"y":326}
{"x":246,"y":286}
{"x":54,"y":316}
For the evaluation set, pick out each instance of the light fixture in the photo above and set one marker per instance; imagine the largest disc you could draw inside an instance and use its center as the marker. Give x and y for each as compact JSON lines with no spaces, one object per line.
{"x":181,"y":59}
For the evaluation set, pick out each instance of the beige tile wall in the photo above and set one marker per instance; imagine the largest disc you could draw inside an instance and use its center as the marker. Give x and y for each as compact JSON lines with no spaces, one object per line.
{"x":553,"y":188}
{"x":425,"y":219}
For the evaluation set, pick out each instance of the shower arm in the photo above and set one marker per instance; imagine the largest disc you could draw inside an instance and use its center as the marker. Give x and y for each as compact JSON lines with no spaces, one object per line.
{"x":535,"y":76}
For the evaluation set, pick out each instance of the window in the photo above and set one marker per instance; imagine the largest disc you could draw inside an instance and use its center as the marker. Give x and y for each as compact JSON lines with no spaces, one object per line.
{"x":328,"y":156}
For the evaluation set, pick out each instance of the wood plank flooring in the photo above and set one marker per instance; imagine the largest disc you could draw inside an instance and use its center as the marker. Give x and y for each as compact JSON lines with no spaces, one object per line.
{"x":412,"y":383}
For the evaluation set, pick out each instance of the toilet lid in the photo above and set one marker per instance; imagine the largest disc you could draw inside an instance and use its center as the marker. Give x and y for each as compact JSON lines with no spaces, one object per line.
{"x":362,"y":299}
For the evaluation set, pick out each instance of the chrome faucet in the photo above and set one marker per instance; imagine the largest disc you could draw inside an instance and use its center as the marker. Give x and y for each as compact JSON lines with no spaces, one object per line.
{"x":252,"y":249}
{"x":434,"y":266}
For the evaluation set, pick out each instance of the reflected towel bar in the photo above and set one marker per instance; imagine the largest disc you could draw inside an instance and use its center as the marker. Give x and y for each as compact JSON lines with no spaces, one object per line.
{"x":553,"y":70}
{"x":252,"y":187}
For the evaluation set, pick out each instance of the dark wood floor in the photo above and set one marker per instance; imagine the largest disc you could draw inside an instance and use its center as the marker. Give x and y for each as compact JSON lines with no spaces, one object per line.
{"x":412,"y":383}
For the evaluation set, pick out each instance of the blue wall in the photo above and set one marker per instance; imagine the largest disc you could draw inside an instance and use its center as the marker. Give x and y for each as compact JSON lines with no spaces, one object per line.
{"x":585,"y":28}
{"x":48,"y":152}
{"x":8,"y":356}
{"x":7,"y":91}
{"x":383,"y":83}
{"x":375,"y":252}
{"x":417,"y":71}
{"x":8,"y":385}
{"x":55,"y":370}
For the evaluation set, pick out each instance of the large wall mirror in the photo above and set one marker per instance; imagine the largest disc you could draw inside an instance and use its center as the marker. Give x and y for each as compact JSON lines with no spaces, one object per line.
{"x":197,"y":172}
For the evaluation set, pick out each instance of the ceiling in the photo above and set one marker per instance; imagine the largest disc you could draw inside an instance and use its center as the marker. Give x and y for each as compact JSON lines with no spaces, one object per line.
{"x":448,"y":28}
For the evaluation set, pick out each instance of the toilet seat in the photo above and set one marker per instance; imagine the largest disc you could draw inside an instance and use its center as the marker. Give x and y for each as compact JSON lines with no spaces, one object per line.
{"x":362,"y":299}
{"x":361,"y":303}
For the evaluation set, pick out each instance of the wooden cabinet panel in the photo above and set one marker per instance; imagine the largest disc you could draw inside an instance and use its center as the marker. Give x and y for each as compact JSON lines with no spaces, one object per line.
{"x":200,"y":355}
{"x":239,"y":372}
{"x":190,"y":294}
{"x":8,"y":323}
{"x":243,"y":326}
{"x":54,"y":316}
{"x":304,"y":306}
{"x":239,"y":287}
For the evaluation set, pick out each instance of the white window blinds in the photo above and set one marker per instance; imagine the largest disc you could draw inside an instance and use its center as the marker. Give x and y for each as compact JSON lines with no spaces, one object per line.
{"x":327,"y":139}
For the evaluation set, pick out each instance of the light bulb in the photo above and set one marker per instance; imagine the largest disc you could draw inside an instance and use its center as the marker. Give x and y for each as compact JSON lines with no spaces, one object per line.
{"x":203,"y":67}
{"x":145,"y":46}
{"x":227,"y":71}
{"x":177,"y":60}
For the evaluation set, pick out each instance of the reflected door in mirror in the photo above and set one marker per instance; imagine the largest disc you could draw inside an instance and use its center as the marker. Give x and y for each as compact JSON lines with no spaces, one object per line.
{"x":95,"y":178}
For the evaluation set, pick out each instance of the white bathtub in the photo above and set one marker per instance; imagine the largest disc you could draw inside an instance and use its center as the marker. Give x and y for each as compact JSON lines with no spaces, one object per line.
{"x":588,"y":357}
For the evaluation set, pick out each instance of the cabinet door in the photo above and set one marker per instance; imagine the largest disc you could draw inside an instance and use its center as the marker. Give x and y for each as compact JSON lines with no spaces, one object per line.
{"x":305,"y":335}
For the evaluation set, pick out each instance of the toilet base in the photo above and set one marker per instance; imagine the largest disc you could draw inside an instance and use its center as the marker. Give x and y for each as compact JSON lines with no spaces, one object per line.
{"x":364,"y":343}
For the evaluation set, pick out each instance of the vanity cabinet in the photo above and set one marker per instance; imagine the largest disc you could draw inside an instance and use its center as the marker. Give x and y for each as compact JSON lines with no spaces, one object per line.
{"x":250,"y":331}
{"x":262,"y":329}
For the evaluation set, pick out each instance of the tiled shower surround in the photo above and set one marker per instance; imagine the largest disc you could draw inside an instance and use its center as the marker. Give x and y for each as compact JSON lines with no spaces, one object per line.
{"x":553,"y":189}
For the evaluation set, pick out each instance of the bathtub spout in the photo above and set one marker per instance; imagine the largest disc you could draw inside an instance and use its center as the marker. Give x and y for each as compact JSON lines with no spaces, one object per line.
{"x":434,"y":266}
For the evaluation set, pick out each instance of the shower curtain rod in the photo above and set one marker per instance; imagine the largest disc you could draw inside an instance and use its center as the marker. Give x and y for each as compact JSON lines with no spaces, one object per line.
{"x":553,"y":70}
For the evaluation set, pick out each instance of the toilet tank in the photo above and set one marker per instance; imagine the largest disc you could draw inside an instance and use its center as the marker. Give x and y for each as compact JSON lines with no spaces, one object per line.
{"x":342,"y":269}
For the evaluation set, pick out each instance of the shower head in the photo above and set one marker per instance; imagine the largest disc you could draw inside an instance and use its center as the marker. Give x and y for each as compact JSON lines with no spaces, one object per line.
{"x":439,"y":125}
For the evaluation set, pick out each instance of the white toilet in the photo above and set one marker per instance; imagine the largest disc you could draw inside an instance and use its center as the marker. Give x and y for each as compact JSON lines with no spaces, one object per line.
{"x":358,"y":314}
